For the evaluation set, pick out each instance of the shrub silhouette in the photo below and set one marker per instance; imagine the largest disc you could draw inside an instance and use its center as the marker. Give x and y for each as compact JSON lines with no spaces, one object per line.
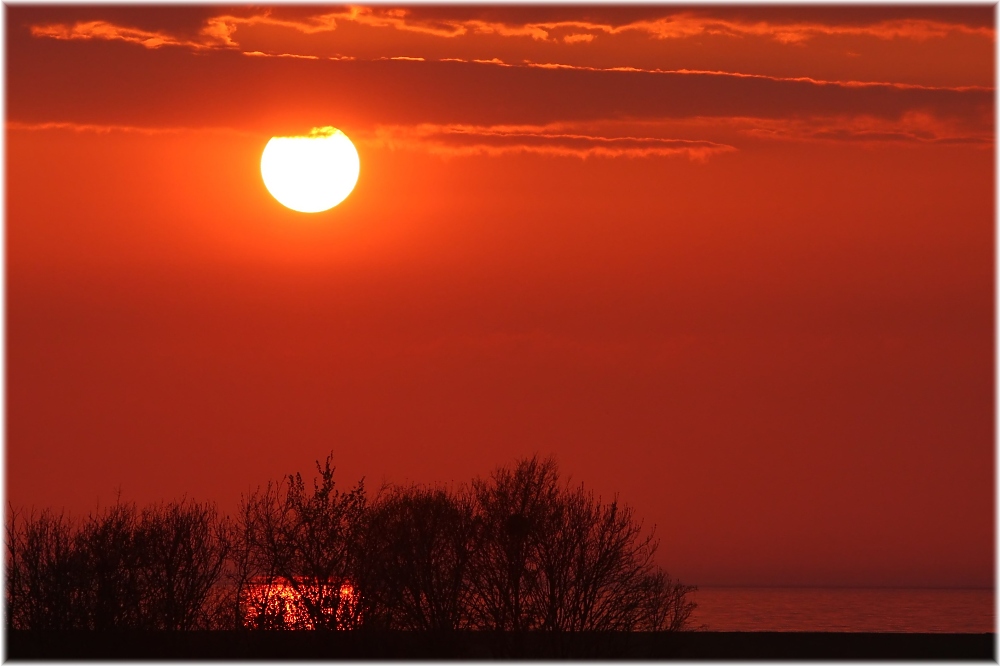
{"x":118,"y":569}
{"x":551,"y":557}
{"x":303,"y":543}
{"x":418,"y":544}
{"x":182,"y":550}
{"x":517,"y":551}
{"x":42,"y":580}
{"x":517,"y":512}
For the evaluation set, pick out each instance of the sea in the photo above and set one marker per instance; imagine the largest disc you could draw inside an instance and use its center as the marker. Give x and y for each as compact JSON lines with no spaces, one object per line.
{"x":844,"y":610}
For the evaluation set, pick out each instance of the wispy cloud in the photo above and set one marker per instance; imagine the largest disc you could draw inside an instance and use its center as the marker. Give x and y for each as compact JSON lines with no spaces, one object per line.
{"x":104,"y":30}
{"x":614,"y":139}
{"x":672,"y":26}
{"x":87,"y":127}
{"x":684,"y":25}
{"x":94,"y":128}
{"x":221,"y":31}
{"x":553,"y":140}
{"x":912,"y":127}
{"x":261,"y":54}
{"x":736,"y":75}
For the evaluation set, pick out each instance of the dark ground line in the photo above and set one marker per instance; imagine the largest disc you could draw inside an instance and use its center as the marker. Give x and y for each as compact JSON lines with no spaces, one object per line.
{"x":55,"y":645}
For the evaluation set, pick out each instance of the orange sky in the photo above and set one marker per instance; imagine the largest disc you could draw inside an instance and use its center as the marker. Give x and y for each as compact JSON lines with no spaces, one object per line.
{"x":735,"y":263}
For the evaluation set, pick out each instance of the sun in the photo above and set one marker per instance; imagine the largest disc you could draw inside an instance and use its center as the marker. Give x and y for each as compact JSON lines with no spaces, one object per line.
{"x":310,"y":173}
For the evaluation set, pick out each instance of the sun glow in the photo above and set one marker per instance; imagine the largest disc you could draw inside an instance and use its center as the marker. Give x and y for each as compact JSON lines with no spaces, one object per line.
{"x":286,"y":605}
{"x":310,"y":173}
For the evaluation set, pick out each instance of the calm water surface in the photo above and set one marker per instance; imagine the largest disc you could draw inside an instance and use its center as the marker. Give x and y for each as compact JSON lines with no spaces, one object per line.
{"x":844,"y":610}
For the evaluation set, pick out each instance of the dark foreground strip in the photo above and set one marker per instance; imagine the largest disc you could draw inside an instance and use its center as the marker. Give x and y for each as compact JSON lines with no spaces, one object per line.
{"x":39,"y":645}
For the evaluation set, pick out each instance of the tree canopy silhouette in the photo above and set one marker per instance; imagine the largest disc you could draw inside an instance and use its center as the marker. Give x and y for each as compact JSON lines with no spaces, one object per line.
{"x":117,"y":569}
{"x":517,"y":550}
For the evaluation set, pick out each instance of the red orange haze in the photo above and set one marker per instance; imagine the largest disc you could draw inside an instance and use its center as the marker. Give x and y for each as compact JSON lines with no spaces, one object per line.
{"x":734,"y":264}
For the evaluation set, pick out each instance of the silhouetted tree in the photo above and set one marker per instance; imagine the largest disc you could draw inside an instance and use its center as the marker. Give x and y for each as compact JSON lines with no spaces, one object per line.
{"x":416,"y":549}
{"x":110,"y":580}
{"x":552,"y":558}
{"x":42,"y":572}
{"x":515,"y":511}
{"x":182,"y":548}
{"x":118,"y":569}
{"x":245,"y":565}
{"x":515,"y":551}
{"x":599,"y":569}
{"x":667,"y":605}
{"x":303,"y":540}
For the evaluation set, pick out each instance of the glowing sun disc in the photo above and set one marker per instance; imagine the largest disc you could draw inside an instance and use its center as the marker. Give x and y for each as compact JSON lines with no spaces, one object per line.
{"x":310,"y":173}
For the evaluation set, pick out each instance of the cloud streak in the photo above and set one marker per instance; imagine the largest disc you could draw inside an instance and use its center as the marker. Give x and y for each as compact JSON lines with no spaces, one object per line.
{"x":457,"y":140}
{"x":261,"y":54}
{"x":104,"y":30}
{"x":454,"y":140}
{"x":221,"y":31}
{"x":686,"y":25}
{"x":612,"y":139}
{"x":737,"y":75}
{"x":94,"y":128}
{"x":262,"y":89}
{"x":913,"y":127}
